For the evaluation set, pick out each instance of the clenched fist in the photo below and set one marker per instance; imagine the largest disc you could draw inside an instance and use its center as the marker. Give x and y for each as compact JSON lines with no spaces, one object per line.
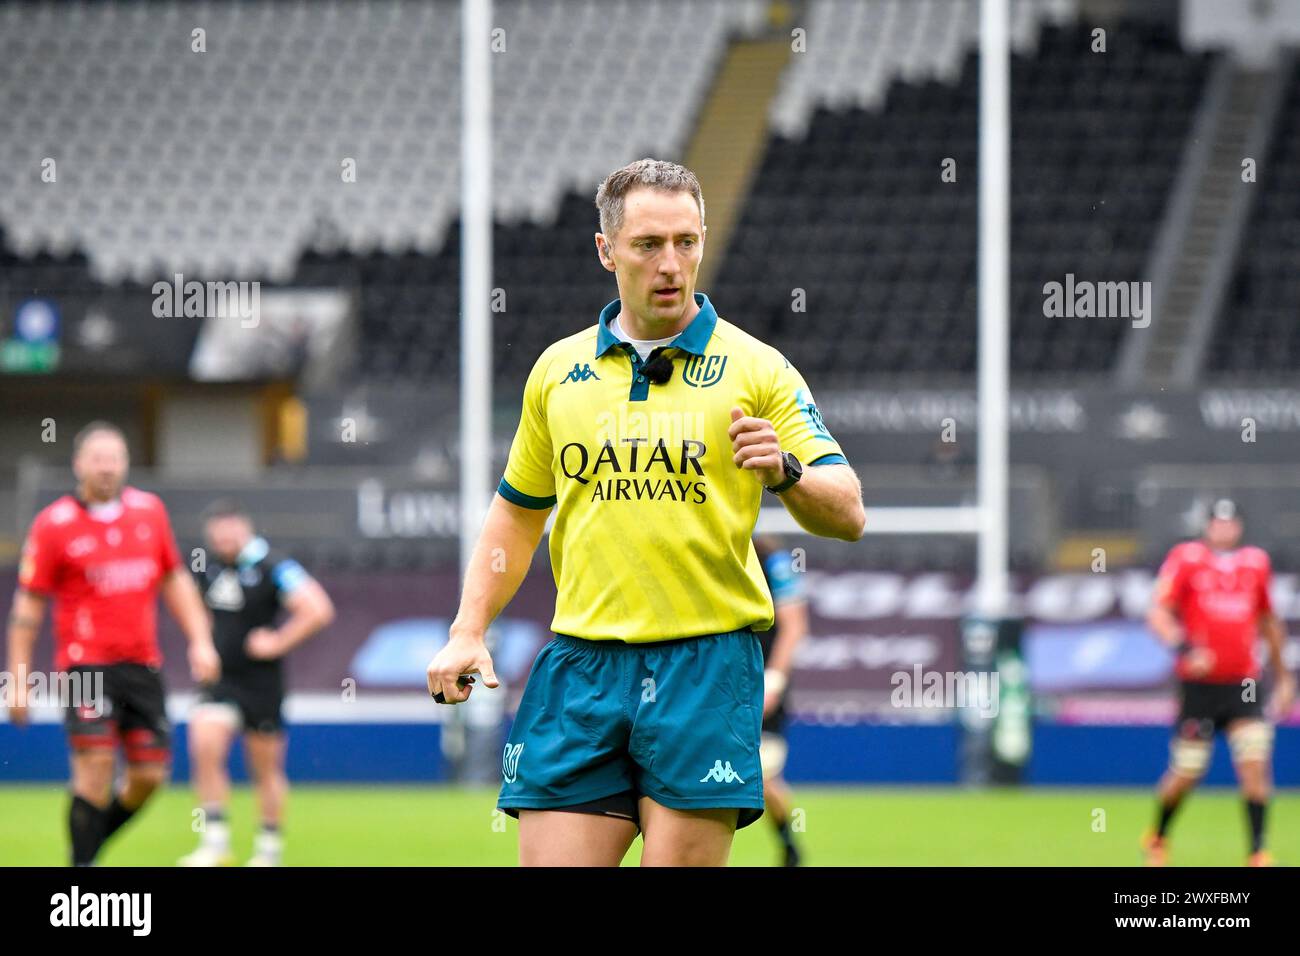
{"x":756,"y":447}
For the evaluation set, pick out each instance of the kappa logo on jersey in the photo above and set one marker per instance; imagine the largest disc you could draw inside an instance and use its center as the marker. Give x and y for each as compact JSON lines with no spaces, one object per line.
{"x":580,"y":373}
{"x":226,"y":594}
{"x":721,"y":773}
{"x":702,"y":371}
{"x":510,"y":761}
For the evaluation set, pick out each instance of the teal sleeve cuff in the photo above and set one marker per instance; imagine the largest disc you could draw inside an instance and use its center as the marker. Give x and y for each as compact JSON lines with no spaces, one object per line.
{"x":521,"y":499}
{"x":831,"y":459}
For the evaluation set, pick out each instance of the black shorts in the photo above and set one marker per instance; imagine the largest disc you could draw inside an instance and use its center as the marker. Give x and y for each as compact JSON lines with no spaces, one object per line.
{"x":1207,"y":709}
{"x":132,"y":708}
{"x":623,"y":805}
{"x":260,"y":707}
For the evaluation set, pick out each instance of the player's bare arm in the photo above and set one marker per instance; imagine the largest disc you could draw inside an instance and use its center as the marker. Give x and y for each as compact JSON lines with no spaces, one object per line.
{"x":1168,"y":627}
{"x":182,"y":599}
{"x":1274,"y":631}
{"x":23,"y":629}
{"x":791,"y":629}
{"x":310,"y":612}
{"x":827,"y":500}
{"x":496,"y":569}
{"x":1164,"y":623}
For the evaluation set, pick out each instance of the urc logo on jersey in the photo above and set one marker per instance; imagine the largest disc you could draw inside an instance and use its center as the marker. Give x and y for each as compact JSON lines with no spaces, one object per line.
{"x":661,"y":467}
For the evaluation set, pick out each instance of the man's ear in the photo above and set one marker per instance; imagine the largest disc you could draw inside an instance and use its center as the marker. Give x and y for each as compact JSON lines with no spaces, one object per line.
{"x":604,"y":249}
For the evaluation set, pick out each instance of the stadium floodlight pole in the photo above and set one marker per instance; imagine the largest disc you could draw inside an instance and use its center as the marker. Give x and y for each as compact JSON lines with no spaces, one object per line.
{"x":994,"y":286}
{"x":475,"y":272}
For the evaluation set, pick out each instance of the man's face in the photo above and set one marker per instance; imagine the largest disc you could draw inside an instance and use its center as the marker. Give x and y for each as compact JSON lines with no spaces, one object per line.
{"x":101,"y":465}
{"x":227,"y":536}
{"x":1223,"y":534}
{"x":656,"y":254}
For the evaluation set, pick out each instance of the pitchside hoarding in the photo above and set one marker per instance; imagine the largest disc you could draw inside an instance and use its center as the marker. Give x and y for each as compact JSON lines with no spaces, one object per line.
{"x":874,"y":636}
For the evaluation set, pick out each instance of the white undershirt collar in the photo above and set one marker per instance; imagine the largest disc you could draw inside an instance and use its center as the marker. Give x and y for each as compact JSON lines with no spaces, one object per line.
{"x":643,"y":346}
{"x":105,"y":511}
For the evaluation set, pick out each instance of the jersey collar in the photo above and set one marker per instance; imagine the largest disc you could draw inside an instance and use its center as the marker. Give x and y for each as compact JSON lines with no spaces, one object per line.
{"x":694,"y":338}
{"x":253,"y":552}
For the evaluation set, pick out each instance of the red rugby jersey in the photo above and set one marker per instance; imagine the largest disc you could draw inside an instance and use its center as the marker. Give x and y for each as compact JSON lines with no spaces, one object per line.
{"x":1219,"y":598}
{"x":103,"y":572}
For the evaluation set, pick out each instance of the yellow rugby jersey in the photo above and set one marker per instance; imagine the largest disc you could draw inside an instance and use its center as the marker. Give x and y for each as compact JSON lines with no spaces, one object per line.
{"x":653,"y":523}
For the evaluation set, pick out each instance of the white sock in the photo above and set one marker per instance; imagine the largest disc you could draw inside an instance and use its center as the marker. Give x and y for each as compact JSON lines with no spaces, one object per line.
{"x":216,"y":835}
{"x":268,"y":844}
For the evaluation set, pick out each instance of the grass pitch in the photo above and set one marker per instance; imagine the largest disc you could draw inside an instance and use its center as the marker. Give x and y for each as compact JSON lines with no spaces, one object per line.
{"x":842,"y":826}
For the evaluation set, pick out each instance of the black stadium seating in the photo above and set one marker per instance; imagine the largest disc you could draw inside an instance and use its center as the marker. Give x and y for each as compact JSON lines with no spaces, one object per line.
{"x":856,"y":213}
{"x":1258,"y":331}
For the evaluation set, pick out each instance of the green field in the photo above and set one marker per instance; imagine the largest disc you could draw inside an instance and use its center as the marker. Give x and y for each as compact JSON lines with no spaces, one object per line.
{"x":418,"y":826}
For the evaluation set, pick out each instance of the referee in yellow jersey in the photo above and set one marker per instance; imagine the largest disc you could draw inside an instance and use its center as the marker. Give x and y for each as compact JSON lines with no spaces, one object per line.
{"x":653,"y":435}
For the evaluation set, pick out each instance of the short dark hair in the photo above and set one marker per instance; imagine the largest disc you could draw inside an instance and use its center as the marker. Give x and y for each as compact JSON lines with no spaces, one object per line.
{"x":226,"y":508}
{"x":94,"y":428}
{"x":648,"y":173}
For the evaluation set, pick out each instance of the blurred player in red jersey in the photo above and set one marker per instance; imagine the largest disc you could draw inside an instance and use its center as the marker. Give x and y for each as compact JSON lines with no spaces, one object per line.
{"x":104,"y":555}
{"x":1211,"y":605}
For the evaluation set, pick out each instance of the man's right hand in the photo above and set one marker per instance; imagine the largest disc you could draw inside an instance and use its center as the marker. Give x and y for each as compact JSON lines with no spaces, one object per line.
{"x":14,"y":700}
{"x":18,"y":715}
{"x":463,"y":655}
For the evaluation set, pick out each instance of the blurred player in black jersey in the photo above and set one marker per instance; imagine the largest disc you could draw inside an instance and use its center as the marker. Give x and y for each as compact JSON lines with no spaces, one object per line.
{"x":245,"y":585}
{"x":778,"y":654}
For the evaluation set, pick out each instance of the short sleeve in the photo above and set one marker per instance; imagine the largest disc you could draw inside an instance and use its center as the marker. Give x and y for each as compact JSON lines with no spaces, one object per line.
{"x":797,"y":421}
{"x":1264,"y":599}
{"x":1171,"y":581}
{"x":528,"y":480}
{"x":782,"y":579}
{"x":288,"y":576}
{"x":38,"y":568}
{"x":169,"y":558}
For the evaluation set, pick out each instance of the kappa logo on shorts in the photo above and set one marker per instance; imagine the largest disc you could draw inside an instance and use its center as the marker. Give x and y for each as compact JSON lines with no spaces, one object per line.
{"x":510,"y":761}
{"x":721,"y":773}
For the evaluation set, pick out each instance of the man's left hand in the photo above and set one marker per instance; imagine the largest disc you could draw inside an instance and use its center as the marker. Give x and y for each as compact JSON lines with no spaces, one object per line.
{"x":1283,"y":696}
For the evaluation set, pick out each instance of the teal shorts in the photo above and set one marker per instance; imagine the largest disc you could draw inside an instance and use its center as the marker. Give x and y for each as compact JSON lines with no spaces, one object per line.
{"x":677,"y":721}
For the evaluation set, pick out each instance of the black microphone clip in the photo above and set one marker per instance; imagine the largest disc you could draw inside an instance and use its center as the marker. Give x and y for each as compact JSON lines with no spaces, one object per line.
{"x":659,"y":367}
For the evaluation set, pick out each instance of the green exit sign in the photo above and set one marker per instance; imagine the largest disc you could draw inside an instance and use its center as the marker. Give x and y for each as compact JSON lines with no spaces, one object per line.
{"x":17,"y":356}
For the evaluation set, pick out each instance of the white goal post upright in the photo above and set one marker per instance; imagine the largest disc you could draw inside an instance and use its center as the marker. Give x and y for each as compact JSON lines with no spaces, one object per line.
{"x":994,"y":300}
{"x":475,"y":273}
{"x":988,"y":519}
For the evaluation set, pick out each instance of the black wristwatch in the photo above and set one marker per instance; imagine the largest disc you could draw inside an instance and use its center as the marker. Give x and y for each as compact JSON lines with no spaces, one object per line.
{"x":793,"y":472}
